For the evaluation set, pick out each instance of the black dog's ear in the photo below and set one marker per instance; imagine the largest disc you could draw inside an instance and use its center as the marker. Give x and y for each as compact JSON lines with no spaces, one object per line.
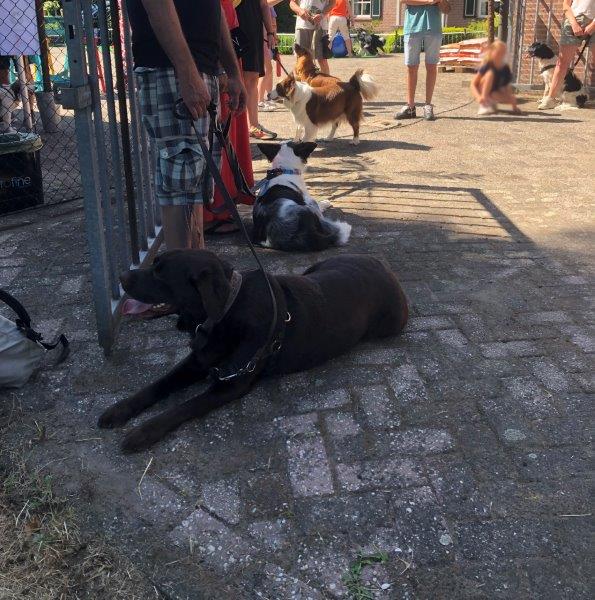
{"x":303,"y":149}
{"x":214,"y":289}
{"x":269,"y":150}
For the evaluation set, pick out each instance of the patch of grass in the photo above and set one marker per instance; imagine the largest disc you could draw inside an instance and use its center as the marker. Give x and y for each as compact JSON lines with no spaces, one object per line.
{"x":44,"y":556}
{"x":353,"y":578}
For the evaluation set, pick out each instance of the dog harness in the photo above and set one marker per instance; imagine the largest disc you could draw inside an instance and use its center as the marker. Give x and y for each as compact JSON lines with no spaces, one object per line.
{"x":263,"y":185}
{"x":278,"y":191}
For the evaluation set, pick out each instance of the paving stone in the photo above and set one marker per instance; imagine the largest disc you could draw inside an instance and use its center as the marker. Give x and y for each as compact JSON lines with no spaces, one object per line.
{"x":222,"y":498}
{"x":428,"y":323}
{"x":407,"y":385}
{"x":512,"y":348}
{"x":274,"y":535}
{"x":340,"y":424}
{"x":547,"y":316}
{"x":555,"y":463}
{"x":534,"y":401}
{"x":309,"y":470}
{"x":209,"y":540}
{"x":378,"y":406}
{"x":548,"y":373}
{"x":298,"y":424}
{"x":380,"y":474}
{"x":414,"y":441}
{"x":322,"y":400}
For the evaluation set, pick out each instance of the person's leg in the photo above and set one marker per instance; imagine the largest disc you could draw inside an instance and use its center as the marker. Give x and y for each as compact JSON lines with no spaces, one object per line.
{"x":183,"y":226}
{"x":265,"y":84}
{"x":318,"y":51}
{"x":345,"y":33}
{"x":412,"y":55}
{"x":562,"y":65}
{"x":411,"y":81}
{"x":432,"y":44}
{"x":251,"y":84}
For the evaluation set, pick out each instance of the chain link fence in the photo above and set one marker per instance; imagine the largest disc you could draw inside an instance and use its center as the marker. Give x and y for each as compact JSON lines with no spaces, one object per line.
{"x":34,"y":66}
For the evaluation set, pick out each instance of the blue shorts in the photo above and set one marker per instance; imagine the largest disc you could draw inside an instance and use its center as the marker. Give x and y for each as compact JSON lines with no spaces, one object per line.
{"x":431,"y":42}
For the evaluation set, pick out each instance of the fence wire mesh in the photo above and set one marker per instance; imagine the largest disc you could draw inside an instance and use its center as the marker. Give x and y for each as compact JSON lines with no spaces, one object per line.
{"x":34,"y":69}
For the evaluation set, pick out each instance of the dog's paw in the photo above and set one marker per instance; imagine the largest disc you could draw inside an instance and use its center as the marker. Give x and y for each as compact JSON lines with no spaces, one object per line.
{"x":115,"y":416}
{"x":140,"y":438}
{"x":324,"y":204}
{"x":354,"y":141}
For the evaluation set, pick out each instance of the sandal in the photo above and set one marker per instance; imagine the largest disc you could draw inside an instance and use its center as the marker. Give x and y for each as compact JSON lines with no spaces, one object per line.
{"x":223,"y":227}
{"x":260,"y":133}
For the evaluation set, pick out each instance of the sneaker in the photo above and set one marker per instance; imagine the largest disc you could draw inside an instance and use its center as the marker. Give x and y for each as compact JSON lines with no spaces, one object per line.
{"x":265,"y":107}
{"x":547,"y":103}
{"x":429,"y":112}
{"x":486,"y":109}
{"x":407,"y":112}
{"x":260,"y":133}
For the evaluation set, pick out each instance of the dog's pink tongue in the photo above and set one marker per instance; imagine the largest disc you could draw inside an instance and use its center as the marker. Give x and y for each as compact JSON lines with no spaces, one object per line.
{"x":130,"y":306}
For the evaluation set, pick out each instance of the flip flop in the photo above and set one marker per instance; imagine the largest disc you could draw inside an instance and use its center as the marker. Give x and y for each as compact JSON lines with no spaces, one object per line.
{"x":141,"y":310}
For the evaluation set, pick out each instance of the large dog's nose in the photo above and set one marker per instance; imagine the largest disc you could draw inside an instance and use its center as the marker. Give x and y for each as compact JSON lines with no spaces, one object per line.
{"x":272,"y":95}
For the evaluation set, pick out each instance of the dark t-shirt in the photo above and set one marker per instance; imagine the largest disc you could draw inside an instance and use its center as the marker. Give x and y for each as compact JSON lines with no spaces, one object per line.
{"x":502,"y":76}
{"x":200,"y":20}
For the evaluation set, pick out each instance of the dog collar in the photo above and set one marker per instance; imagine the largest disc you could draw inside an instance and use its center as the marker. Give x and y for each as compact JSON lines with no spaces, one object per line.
{"x":546,"y":68}
{"x":272,"y":173}
{"x":204,"y":329}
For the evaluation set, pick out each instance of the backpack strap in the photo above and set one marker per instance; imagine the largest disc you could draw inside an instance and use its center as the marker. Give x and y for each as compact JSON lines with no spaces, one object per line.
{"x":23,"y":322}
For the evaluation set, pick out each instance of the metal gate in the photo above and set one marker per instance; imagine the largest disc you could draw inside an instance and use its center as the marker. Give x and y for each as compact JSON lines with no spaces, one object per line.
{"x":122,"y":220}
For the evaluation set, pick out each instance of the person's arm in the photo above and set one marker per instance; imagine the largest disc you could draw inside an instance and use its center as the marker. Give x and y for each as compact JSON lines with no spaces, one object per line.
{"x":576,"y":28}
{"x":476,"y":87}
{"x":267,"y":19}
{"x":294,"y":5}
{"x":421,"y":2}
{"x":166,"y":25}
{"x":235,"y":89}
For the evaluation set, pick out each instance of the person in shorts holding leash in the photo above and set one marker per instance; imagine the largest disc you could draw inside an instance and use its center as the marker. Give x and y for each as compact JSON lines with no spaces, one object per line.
{"x":423,"y":25}
{"x":179,"y":47}
{"x":311,"y":26}
{"x":578,"y":27}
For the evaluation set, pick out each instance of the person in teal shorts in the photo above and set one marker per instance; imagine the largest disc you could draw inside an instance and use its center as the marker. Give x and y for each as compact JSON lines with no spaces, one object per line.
{"x":423,"y":25}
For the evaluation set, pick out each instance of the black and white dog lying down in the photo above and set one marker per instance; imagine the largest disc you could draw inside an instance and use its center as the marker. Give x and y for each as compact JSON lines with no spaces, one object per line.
{"x":285,"y":216}
{"x":574,"y":94}
{"x":321,"y":314}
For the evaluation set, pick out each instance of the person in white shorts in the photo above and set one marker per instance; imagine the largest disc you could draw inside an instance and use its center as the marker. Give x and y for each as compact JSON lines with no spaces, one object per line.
{"x":338,"y":20}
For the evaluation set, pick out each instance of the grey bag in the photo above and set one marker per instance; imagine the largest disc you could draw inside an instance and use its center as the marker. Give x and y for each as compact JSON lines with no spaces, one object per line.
{"x":21,"y":347}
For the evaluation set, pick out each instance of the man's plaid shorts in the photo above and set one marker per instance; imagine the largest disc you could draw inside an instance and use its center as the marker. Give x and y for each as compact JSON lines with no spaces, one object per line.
{"x":179,"y":164}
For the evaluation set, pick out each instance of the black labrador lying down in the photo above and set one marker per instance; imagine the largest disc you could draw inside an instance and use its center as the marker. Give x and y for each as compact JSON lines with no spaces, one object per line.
{"x":321,"y":314}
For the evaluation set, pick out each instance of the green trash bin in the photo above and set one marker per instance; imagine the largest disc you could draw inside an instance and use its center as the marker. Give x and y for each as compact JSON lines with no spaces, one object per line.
{"x":20,"y":171}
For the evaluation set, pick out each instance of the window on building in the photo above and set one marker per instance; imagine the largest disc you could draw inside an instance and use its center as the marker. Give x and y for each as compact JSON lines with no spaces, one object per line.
{"x":371,"y":9}
{"x":476,"y":8}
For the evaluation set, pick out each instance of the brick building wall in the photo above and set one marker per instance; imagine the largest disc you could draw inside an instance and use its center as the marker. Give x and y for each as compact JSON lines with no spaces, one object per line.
{"x":539,"y":17}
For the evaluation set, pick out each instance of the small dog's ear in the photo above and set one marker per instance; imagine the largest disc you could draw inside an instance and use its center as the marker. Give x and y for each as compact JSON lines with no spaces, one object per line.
{"x":299,"y":50}
{"x":269,"y":150}
{"x":303,"y":149}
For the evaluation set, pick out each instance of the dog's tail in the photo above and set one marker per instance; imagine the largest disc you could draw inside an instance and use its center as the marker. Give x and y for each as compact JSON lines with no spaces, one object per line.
{"x":317,"y":233}
{"x":365,"y":84}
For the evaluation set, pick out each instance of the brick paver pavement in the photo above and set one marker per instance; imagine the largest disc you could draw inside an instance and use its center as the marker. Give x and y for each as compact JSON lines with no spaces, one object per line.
{"x":460,"y":449}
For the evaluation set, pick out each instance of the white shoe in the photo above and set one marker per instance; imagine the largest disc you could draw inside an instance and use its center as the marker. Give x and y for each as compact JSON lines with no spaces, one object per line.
{"x":547,"y":103}
{"x":486,"y":109}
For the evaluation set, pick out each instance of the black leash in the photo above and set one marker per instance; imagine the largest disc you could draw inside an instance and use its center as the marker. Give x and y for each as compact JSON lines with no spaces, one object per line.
{"x":271,"y":345}
{"x":578,"y":58}
{"x":277,"y":59}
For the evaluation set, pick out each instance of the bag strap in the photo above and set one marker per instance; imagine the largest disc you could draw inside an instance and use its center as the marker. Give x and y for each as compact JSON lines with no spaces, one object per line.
{"x":17,"y":307}
{"x":23,"y":323}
